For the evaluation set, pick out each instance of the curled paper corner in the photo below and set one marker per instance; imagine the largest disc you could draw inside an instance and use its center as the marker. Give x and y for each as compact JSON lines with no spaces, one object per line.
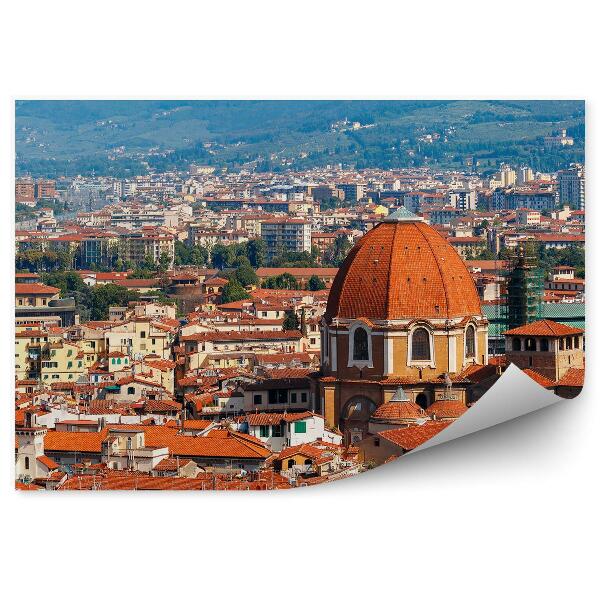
{"x":513,"y":395}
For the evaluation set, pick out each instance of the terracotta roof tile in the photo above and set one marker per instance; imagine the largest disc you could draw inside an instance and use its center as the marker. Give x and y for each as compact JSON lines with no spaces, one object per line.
{"x":398,"y":410}
{"x":412,"y":436}
{"x":402,"y":270}
{"x":35,"y":288}
{"x":572,"y":378}
{"x":544,"y":327}
{"x":446,"y":409}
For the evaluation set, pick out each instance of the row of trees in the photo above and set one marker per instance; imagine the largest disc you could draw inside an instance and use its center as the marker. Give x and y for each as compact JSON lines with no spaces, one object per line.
{"x":36,"y":260}
{"x":244,"y":276}
{"x":223,"y":256}
{"x":93,"y":301}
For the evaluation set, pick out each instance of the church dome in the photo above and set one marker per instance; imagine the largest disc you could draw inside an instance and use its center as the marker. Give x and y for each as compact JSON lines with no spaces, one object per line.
{"x":402,"y":269}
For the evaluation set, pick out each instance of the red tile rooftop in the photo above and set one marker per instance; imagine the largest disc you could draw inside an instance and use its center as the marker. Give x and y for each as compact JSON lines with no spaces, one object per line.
{"x":121,"y":480}
{"x":412,"y":436}
{"x":446,"y":409}
{"x":398,"y":410}
{"x":572,"y":378}
{"x":256,"y":419}
{"x":399,"y":270}
{"x":539,"y":378}
{"x":545,"y":327}
{"x":33,"y":289}
{"x":241,"y":336}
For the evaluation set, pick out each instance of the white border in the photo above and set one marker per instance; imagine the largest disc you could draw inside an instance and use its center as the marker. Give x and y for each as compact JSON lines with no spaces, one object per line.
{"x":488,"y":515}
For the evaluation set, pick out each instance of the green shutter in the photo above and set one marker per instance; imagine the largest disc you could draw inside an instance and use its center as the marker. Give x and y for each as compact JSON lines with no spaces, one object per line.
{"x":300,"y":427}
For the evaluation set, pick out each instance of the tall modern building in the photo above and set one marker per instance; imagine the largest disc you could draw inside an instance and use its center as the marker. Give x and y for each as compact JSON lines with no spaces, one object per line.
{"x":135,"y":246}
{"x":508,"y":176}
{"x":463,"y":199}
{"x":353,"y":192}
{"x":524,"y":175}
{"x":571,"y":187}
{"x":293,"y":235}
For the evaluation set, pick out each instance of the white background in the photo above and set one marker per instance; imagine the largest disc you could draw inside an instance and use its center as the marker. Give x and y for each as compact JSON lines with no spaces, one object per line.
{"x":511,"y":512}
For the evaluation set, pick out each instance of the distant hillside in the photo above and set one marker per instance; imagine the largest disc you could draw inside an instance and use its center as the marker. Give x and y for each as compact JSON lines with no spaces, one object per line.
{"x":123,"y":138}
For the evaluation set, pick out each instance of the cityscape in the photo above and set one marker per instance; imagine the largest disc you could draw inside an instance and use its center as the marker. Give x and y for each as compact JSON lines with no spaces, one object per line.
{"x":258,"y":295}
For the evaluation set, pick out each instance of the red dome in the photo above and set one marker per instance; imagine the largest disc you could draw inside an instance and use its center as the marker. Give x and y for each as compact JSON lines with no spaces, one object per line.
{"x":403,"y":269}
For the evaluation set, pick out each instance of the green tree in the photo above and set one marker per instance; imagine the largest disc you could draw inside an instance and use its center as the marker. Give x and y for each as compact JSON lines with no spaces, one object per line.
{"x":315,"y":284}
{"x":199,"y":256}
{"x":141,"y":273}
{"x":285,"y":281}
{"x":67,"y":281}
{"x":164,"y":262}
{"x":337,"y":252}
{"x":105,"y":296}
{"x":285,"y":258}
{"x":233,"y":291}
{"x":245,"y":274}
{"x":222,"y":256}
{"x":256,"y":251}
{"x":290,"y":321}
{"x":148,"y":264}
{"x":486,"y":254}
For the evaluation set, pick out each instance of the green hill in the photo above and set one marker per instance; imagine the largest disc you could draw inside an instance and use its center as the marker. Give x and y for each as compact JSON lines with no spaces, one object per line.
{"x":122,"y":138}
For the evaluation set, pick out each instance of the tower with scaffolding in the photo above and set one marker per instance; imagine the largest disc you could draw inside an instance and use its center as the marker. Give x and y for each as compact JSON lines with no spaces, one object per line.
{"x":524,"y":286}
{"x":521,"y":282}
{"x":521,"y":292}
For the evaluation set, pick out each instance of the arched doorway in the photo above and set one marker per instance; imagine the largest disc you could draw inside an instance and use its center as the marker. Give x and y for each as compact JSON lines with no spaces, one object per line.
{"x":422,"y":400}
{"x":354,"y":418}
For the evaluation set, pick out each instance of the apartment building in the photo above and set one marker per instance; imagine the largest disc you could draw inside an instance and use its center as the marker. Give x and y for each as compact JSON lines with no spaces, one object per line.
{"x":292,"y":235}
{"x":137,"y":245}
{"x":571,"y":187}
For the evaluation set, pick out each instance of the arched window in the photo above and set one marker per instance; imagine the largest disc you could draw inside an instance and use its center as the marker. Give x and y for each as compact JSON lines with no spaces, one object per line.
{"x":420,"y":344}
{"x":544,"y":345}
{"x":516,"y":344}
{"x":27,"y":463}
{"x":530,"y":345}
{"x":361,"y":344}
{"x":128,"y":443}
{"x":470,"y":341}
